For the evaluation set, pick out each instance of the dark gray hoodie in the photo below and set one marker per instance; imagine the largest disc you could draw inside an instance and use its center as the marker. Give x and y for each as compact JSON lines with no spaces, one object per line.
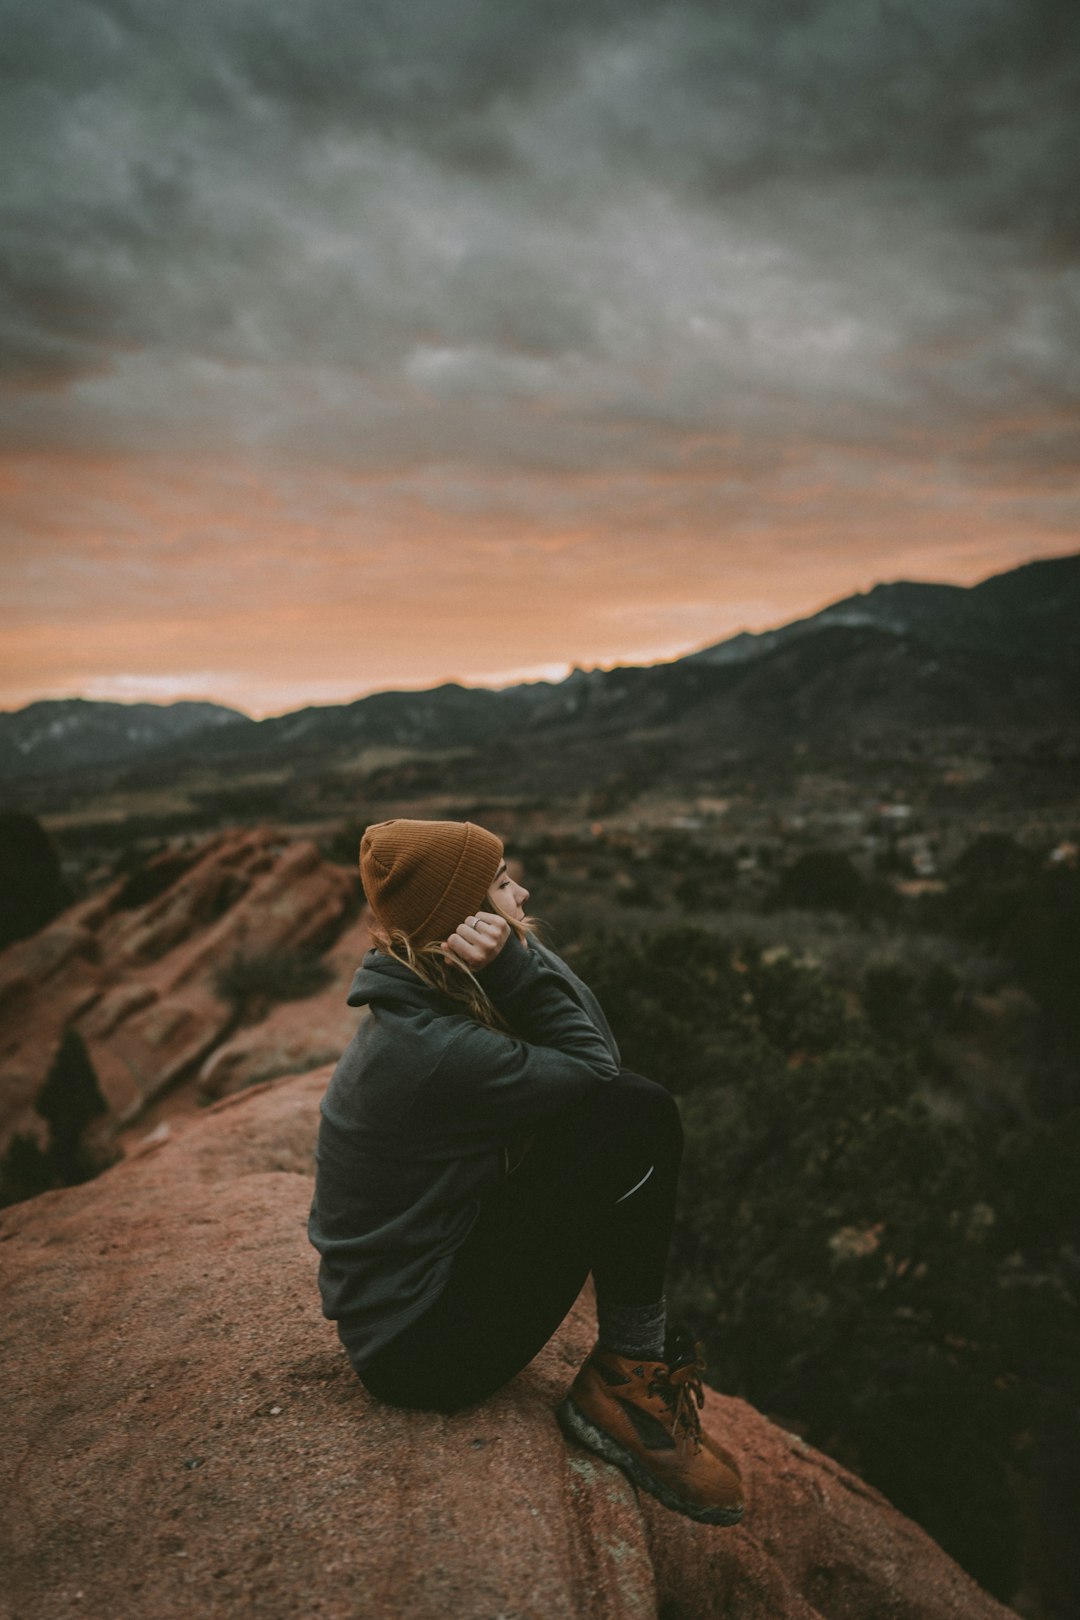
{"x":418,"y":1117}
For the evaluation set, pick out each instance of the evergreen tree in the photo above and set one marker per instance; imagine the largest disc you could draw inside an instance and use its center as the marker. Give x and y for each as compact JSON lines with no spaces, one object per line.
{"x":33,"y":887}
{"x":69,"y":1099}
{"x":25,"y":1170}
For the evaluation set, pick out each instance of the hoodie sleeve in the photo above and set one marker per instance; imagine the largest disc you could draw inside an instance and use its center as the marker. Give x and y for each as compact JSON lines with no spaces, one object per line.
{"x":555,"y":1055}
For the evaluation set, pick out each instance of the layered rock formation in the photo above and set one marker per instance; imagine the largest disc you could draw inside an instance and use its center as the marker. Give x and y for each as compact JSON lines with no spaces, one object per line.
{"x":186,"y":1438}
{"x":135,"y":970}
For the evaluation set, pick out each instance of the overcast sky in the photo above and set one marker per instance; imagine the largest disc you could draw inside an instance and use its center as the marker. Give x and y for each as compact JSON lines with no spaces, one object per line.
{"x":349,"y":344}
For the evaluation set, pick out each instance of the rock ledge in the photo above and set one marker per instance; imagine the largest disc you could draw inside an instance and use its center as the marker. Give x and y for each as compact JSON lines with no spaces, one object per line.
{"x":186,"y":1438}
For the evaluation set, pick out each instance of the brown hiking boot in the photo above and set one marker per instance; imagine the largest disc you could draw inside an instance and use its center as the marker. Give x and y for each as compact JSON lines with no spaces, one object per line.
{"x":643,"y":1416}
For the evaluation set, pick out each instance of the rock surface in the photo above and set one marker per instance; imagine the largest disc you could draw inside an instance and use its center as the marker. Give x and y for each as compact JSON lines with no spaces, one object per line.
{"x":186,"y":1438}
{"x":295,"y":1035}
{"x":134,"y":969}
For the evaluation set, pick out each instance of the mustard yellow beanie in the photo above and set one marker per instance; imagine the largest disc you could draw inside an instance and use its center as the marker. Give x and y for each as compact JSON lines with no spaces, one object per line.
{"x":425,"y":877}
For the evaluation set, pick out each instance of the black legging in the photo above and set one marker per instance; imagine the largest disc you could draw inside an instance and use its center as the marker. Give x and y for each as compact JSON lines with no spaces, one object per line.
{"x":563,"y":1212}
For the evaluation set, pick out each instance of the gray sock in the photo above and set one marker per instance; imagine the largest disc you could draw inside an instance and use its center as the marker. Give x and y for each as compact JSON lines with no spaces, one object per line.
{"x":632,"y":1330}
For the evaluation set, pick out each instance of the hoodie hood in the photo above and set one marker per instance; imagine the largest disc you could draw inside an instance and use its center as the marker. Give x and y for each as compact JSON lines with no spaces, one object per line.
{"x":381,"y":979}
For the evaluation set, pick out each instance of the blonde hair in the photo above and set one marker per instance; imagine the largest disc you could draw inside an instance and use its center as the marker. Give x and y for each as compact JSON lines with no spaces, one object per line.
{"x":452,"y":979}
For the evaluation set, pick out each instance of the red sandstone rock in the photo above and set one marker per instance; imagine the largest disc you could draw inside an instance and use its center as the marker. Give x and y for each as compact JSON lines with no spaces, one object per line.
{"x":294,"y":1035}
{"x":184,"y":1437}
{"x":139,"y":982}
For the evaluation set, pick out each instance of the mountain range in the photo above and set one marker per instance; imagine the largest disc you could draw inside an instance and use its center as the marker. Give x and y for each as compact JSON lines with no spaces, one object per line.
{"x":902,"y":662}
{"x":66,"y":733}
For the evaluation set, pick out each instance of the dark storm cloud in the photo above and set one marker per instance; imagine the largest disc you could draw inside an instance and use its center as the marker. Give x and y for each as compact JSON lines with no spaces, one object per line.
{"x":540,"y":235}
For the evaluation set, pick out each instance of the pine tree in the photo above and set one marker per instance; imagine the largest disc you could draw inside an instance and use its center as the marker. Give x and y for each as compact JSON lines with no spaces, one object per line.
{"x":69,"y":1099}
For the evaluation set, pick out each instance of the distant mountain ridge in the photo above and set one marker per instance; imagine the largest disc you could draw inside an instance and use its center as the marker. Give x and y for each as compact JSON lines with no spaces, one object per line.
{"x":1000,"y":656}
{"x":66,"y":733}
{"x":1032,"y":610}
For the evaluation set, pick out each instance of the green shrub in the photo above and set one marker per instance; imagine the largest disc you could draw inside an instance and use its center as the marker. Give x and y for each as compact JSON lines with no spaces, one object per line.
{"x":1008,"y":898}
{"x":836,"y":1243}
{"x":826,"y":880}
{"x":253,"y":978}
{"x":25,"y":1170}
{"x":69,"y":1100}
{"x":896,"y":1278}
{"x":637,"y":893}
{"x":693,"y":1009}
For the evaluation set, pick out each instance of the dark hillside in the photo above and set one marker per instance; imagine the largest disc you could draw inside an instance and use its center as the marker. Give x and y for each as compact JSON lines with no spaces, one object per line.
{"x":1031,"y":611}
{"x":908,"y":666}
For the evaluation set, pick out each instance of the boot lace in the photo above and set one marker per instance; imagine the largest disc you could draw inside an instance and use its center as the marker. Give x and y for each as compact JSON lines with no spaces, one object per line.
{"x":678,"y":1384}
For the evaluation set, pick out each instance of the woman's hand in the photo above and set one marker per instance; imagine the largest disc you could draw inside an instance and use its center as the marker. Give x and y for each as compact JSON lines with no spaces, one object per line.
{"x":478,"y":941}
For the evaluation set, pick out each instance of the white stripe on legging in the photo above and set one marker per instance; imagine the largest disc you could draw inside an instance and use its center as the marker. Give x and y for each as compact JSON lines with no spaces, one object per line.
{"x":638,"y":1184}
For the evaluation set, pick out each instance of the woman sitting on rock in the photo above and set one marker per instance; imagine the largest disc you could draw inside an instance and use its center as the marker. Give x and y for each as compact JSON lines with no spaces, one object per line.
{"x":480,"y":1151}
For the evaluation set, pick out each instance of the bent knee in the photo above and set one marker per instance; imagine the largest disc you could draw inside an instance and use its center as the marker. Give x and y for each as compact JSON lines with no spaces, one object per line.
{"x":651,"y":1104}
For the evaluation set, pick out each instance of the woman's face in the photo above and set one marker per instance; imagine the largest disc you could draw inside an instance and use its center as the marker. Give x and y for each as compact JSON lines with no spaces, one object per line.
{"x":510,"y":895}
